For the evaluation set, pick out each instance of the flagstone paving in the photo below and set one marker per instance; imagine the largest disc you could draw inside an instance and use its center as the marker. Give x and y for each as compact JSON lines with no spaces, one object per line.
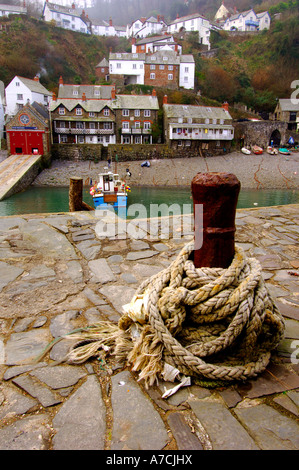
{"x":59,"y":273}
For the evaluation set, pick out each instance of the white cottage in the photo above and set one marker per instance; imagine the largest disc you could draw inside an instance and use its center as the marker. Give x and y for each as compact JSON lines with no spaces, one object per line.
{"x":6,"y":10}
{"x":144,"y":27}
{"x":21,"y":91}
{"x":67,"y":17}
{"x":190,"y":23}
{"x":129,"y":66}
{"x":247,"y":21}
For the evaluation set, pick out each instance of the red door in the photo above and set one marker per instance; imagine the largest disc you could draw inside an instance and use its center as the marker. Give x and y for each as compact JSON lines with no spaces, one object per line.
{"x":26,"y":143}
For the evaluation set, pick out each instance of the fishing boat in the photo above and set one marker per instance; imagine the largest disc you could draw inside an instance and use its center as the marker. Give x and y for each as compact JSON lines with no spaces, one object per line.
{"x":257,"y":150}
{"x":110,"y":191}
{"x":284,"y":151}
{"x":272,"y":150}
{"x":246,"y":151}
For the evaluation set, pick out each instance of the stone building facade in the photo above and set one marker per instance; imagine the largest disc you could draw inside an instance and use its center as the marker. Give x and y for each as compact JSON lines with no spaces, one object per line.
{"x":28,"y":132}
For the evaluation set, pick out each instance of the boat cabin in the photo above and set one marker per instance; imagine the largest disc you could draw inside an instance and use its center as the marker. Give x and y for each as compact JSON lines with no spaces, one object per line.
{"x":109,"y":182}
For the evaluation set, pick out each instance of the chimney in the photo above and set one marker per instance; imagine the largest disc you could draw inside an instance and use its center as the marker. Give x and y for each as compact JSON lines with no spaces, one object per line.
{"x":235,"y":10}
{"x":73,"y":6}
{"x":113,"y":94}
{"x":176,"y":48}
{"x":158,"y":18}
{"x":143,"y":19}
{"x":177,"y":16}
{"x":36,"y":78}
{"x":110,"y":21}
{"x":225,"y":106}
{"x":83,"y":12}
{"x":165,"y":99}
{"x":154,"y":93}
{"x":60,"y":80}
{"x":84,"y":97}
{"x":133,"y":41}
{"x":54,"y":97}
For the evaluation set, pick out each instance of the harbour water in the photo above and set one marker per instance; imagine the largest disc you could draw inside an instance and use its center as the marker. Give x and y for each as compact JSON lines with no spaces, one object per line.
{"x":37,"y":200}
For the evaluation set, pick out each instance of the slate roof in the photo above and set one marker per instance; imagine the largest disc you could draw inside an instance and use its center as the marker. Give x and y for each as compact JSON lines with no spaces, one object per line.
{"x":104,"y":63}
{"x":126,"y":56}
{"x":34,"y":85}
{"x":172,"y":57}
{"x":186,"y":18}
{"x":193,"y":111}
{"x":91,"y":105}
{"x":289,"y":104}
{"x":136,"y":102}
{"x":13,"y":8}
{"x":153,"y":39}
{"x":66,"y":91}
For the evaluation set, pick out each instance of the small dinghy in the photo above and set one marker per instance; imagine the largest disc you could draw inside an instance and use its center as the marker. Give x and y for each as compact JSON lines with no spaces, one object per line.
{"x":284,"y":151}
{"x":246,"y":151}
{"x":272,"y":150}
{"x":257,"y":150}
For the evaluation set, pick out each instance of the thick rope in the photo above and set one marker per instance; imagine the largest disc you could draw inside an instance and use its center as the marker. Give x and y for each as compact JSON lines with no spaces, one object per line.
{"x":212,"y":324}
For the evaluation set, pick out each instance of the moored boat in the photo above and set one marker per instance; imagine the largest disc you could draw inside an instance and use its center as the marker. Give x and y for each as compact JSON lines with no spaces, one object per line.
{"x":257,"y":150}
{"x":284,"y":151}
{"x":246,"y":151}
{"x":272,"y":150}
{"x":110,"y":191}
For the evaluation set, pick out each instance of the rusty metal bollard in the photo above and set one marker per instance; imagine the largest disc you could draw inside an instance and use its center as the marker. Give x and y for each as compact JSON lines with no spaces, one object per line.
{"x":218,"y":193}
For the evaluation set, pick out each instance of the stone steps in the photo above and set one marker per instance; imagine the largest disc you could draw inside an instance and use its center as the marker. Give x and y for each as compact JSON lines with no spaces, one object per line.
{"x":17,"y":172}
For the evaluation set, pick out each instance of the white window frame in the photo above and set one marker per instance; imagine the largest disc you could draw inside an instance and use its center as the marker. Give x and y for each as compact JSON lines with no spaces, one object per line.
{"x":106,"y":112}
{"x":147,"y":113}
{"x":61,"y":111}
{"x":147,"y":125}
{"x":126,"y":112}
{"x":152,"y":76}
{"x":170,"y":76}
{"x":126,"y":124}
{"x":137,"y":112}
{"x":79,"y":111}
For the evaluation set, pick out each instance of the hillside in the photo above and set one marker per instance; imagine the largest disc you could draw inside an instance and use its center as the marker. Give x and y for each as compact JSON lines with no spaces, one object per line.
{"x":253,"y":69}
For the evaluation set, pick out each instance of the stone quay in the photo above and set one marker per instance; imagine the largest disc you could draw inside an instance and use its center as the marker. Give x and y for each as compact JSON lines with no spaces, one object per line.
{"x":58,"y":274}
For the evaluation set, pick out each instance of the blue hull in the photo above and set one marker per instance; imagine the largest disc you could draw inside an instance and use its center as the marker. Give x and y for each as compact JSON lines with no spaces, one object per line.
{"x":99,"y":202}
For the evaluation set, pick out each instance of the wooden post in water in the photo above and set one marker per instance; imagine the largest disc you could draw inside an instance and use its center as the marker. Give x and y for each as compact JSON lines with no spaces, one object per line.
{"x":76,"y":202}
{"x":218,"y":194}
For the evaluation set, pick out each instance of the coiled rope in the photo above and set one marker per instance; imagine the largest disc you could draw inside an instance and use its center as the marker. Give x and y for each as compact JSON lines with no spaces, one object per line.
{"x":210,"y":323}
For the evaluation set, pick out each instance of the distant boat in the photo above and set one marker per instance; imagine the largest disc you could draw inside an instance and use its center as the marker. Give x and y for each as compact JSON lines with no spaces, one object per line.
{"x":109,"y":191}
{"x":257,"y":150}
{"x":246,"y":151}
{"x":272,"y":150}
{"x":284,"y":151}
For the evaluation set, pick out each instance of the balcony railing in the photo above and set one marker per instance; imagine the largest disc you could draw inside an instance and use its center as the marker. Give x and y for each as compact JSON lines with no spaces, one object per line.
{"x":79,"y":131}
{"x":252,"y":23}
{"x":134,"y":130}
{"x":201,"y":135}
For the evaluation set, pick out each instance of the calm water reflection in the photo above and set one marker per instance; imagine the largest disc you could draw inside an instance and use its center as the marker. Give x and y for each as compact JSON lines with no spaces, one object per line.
{"x":51,"y":199}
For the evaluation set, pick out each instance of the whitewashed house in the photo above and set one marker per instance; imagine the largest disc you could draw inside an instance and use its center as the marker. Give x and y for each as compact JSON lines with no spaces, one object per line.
{"x":6,"y":10}
{"x":144,"y":27}
{"x":127,"y":65}
{"x":155,"y":44}
{"x":187,"y":71}
{"x":2,"y":110}
{"x":197,"y":127}
{"x":247,"y":21}
{"x":67,"y":17}
{"x":264,"y":20}
{"x":190,"y":23}
{"x":105,"y":28}
{"x":21,"y":91}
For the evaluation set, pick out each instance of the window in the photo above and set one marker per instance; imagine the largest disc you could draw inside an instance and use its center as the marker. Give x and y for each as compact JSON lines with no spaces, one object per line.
{"x":190,"y":120}
{"x":100,"y":139}
{"x":137,"y":112}
{"x":165,"y":58}
{"x":79,"y":112}
{"x":147,"y":125}
{"x":134,"y":66}
{"x":81,"y":139}
{"x":186,"y":69}
{"x":79,"y":125}
{"x":135,"y":55}
{"x":126,"y":139}
{"x":96,"y":92}
{"x":107,"y":125}
{"x":118,"y":65}
{"x":141,"y":66}
{"x":137,"y":139}
{"x":61,"y":111}
{"x":180,"y":120}
{"x":147,"y":113}
{"x":126,"y":125}
{"x":152,"y":76}
{"x":75,"y":92}
{"x":126,"y":112}
{"x":92,"y":125}
{"x":170,"y":76}
{"x":91,"y":114}
{"x":106,"y":112}
{"x":152,"y":67}
{"x":161,"y":67}
{"x":19,"y":97}
{"x":137,"y":124}
{"x":17,"y":83}
{"x":170,"y":67}
{"x":63,"y":138}
{"x":107,"y":138}
{"x":185,"y":79}
{"x":62,"y":125}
